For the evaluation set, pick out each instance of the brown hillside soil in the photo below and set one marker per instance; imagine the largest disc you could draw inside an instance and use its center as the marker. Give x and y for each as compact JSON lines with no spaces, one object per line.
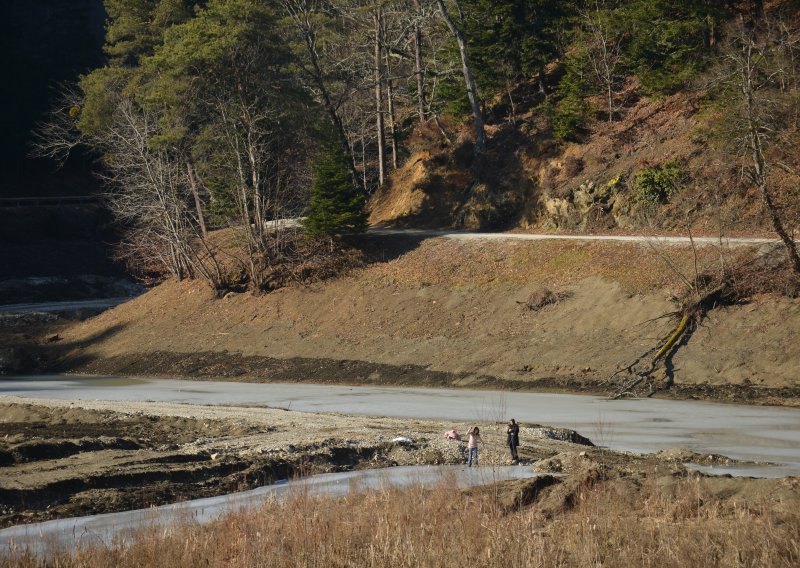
{"x":423,"y":193}
{"x":528,"y":180}
{"x":453,"y":313}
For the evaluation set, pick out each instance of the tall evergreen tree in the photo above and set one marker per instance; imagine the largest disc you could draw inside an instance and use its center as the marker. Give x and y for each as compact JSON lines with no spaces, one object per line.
{"x":669,"y":40}
{"x":337,"y":206}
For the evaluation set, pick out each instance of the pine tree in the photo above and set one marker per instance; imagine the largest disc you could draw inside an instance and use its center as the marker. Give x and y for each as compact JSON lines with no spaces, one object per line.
{"x":336,"y":206}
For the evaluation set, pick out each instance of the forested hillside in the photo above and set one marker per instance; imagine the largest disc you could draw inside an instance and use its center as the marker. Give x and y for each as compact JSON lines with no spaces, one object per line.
{"x":571,"y":115}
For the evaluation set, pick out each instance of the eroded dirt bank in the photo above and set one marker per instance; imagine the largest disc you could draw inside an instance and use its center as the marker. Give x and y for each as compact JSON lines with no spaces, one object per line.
{"x":453,"y":313}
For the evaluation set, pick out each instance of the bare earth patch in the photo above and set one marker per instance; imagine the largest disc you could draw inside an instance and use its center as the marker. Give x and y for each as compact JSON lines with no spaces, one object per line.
{"x":452,"y":313}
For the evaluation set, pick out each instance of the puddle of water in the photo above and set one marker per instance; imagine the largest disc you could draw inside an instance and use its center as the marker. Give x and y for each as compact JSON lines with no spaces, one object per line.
{"x":118,"y":381}
{"x":44,"y":539}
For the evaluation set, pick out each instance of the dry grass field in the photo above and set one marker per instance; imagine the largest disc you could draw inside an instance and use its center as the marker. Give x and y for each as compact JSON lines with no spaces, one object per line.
{"x":586,"y":522}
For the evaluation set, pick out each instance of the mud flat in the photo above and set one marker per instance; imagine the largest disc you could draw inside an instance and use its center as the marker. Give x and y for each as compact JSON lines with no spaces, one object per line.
{"x":73,"y":458}
{"x":752,"y":433}
{"x":66,"y":458}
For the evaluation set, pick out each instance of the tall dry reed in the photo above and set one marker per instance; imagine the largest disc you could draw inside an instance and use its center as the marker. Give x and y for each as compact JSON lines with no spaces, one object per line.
{"x":607,"y":525}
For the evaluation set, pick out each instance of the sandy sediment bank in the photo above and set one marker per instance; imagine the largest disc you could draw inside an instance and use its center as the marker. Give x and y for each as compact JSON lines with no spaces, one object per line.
{"x":451,"y":313}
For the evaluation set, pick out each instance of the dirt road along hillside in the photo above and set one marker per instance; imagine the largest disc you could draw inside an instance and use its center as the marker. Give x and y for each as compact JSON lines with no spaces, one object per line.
{"x":452,"y":312}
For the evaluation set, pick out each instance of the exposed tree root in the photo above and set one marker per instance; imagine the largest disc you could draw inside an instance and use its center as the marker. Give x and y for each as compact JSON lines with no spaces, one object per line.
{"x":658,"y":359}
{"x":729,"y":283}
{"x":664,"y":353}
{"x":673,"y":338}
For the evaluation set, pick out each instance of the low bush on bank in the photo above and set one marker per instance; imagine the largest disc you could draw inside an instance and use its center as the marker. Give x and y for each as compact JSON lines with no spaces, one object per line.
{"x":647,"y":521}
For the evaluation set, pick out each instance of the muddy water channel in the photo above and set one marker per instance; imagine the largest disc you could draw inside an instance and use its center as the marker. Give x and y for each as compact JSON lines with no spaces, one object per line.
{"x":770,"y":435}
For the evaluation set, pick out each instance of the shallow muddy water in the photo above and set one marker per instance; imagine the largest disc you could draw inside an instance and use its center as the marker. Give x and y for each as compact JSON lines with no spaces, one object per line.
{"x":43,"y":539}
{"x":752,"y":433}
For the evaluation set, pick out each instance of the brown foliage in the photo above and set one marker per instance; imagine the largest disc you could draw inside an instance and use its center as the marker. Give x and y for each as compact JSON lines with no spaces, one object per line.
{"x":543,"y":297}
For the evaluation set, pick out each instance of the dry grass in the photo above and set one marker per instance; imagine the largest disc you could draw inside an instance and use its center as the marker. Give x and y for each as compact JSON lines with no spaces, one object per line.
{"x":555,"y":264}
{"x":646,"y":523}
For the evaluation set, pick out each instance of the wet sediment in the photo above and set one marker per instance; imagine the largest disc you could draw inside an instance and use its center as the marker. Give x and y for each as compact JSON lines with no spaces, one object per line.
{"x":234,"y":366}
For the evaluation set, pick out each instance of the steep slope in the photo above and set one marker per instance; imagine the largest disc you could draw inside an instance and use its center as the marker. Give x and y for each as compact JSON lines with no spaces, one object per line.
{"x":529,"y":180}
{"x":453,"y":313}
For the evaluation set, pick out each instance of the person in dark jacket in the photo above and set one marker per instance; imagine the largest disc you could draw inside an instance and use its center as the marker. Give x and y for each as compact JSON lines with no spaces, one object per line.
{"x":513,"y":439}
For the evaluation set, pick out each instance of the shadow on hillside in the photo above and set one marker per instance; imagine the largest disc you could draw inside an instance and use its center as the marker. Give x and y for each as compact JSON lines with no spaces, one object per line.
{"x":377,"y":248}
{"x":52,"y":354}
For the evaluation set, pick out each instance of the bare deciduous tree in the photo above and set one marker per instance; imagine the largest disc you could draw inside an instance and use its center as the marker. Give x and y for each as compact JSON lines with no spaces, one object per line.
{"x":150,"y":193}
{"x":306,"y":16}
{"x":58,"y":135}
{"x":466,"y":69}
{"x":604,"y":52}
{"x":149,"y":189}
{"x":752,"y":73}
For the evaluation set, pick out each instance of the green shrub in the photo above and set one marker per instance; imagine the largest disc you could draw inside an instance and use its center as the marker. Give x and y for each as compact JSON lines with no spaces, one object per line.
{"x":337,"y":205}
{"x":655,"y":185}
{"x":571,"y":119}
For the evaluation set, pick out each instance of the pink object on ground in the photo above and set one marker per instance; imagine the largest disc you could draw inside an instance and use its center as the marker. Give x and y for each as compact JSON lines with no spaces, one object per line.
{"x":452,"y":435}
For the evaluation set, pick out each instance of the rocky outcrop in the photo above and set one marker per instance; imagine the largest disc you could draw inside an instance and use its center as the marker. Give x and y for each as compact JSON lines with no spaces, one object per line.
{"x":591,"y":206}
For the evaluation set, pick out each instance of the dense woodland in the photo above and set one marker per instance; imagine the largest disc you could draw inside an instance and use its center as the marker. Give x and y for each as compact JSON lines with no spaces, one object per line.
{"x":235,"y":114}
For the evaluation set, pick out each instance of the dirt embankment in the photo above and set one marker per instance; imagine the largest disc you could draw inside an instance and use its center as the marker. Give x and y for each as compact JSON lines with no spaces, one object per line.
{"x":453,"y":313}
{"x":527,"y":179}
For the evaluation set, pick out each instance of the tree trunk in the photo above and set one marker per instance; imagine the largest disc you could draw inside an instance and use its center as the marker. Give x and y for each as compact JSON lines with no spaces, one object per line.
{"x":379,"y":98}
{"x":418,"y":64}
{"x":197,"y":204}
{"x":760,"y":164}
{"x":540,"y":81}
{"x":302,"y":20}
{"x":472,"y":92}
{"x":390,"y":109}
{"x":363,"y":158}
{"x":712,"y":31}
{"x":758,"y":9}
